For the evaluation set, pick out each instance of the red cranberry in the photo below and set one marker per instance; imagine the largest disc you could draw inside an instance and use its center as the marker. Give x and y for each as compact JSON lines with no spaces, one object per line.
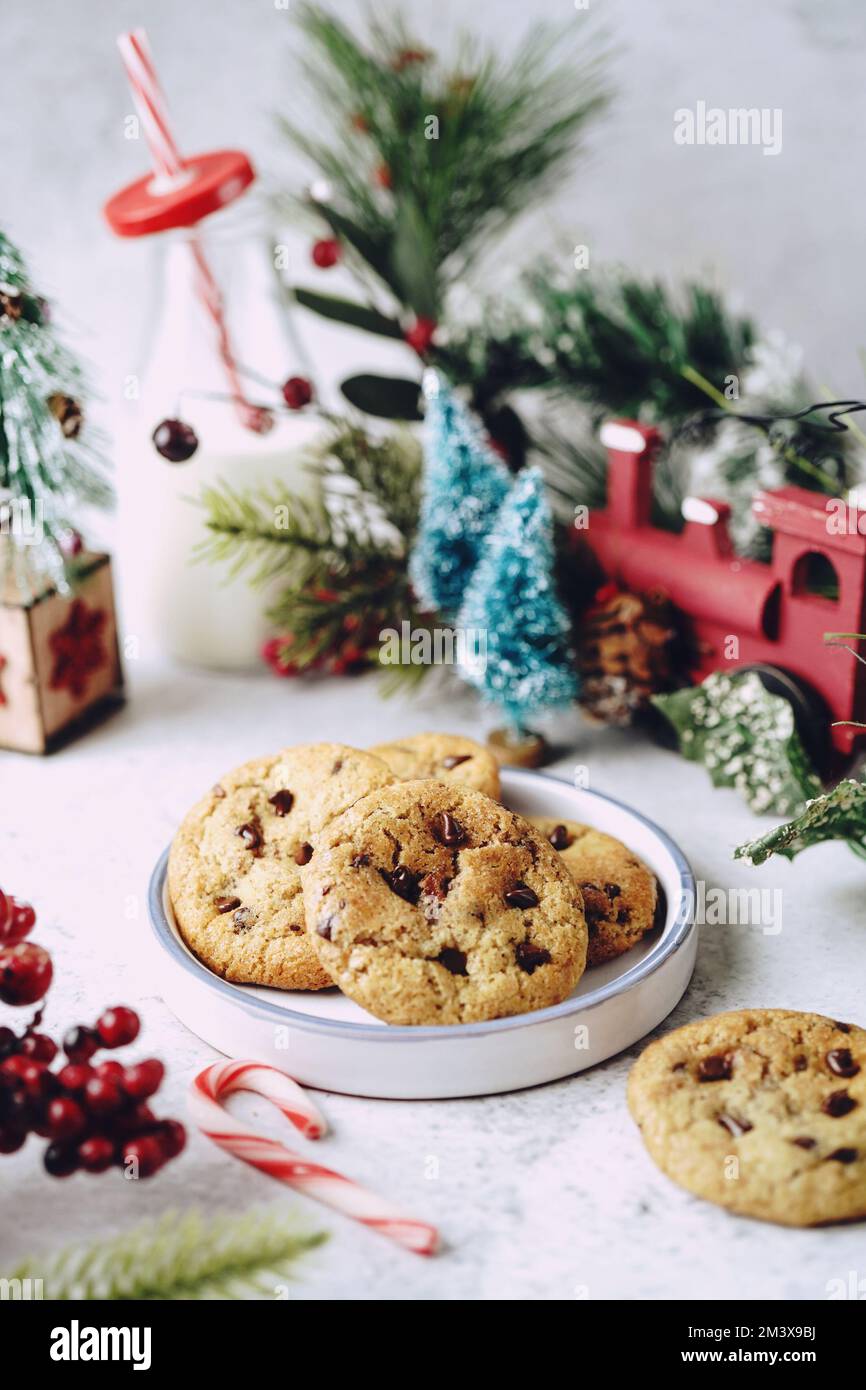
{"x":110,"y":1071}
{"x":326,"y":252}
{"x":172,"y":1138}
{"x":25,"y":973}
{"x":297,"y":392}
{"x":96,"y":1154}
{"x":11,"y":1139}
{"x":102,"y":1096}
{"x":34,"y":1076}
{"x":23,"y":919}
{"x":14,"y":1066}
{"x":65,"y":1118}
{"x":143,"y":1079}
{"x":142,"y":1157}
{"x":420,"y":335}
{"x":80,"y":1043}
{"x":75,"y":1076}
{"x":60,"y":1160}
{"x":118,"y":1026}
{"x":39,"y":1047}
{"x":8,"y":1042}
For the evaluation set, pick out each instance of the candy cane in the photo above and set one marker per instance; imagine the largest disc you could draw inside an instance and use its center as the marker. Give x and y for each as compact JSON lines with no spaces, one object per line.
{"x":169,"y":166}
{"x":220,"y":1080}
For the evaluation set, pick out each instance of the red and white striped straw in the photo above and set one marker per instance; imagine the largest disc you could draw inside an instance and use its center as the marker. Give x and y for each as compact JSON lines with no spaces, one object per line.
{"x":169,"y":166}
{"x":215,"y":1083}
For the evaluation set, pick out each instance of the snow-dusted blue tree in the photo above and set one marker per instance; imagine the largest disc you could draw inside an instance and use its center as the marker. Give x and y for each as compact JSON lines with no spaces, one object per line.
{"x":512,"y":600}
{"x":464,"y":485}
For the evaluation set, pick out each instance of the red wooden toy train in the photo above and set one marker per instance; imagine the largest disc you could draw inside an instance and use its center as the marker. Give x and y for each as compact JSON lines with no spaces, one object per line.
{"x":741,"y":612}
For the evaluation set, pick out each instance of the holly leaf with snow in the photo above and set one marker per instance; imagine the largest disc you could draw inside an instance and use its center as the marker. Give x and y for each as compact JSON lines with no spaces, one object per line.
{"x":746,"y":738}
{"x":837,"y":815}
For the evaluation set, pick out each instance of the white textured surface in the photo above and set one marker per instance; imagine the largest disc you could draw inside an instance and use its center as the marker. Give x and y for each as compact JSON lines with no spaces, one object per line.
{"x":542,"y":1194}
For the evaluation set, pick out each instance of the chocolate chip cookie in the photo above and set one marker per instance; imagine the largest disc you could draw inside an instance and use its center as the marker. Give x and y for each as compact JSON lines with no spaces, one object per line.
{"x":235,"y":866}
{"x":762,"y":1111}
{"x":434,"y":904}
{"x":620,"y":894}
{"x":448,"y":758}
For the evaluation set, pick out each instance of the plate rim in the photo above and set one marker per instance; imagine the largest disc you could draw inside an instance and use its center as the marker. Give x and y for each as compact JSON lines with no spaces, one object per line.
{"x":375,"y":1032}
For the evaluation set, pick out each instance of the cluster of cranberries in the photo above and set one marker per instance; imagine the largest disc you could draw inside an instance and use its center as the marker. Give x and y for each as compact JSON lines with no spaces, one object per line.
{"x":95,"y":1115}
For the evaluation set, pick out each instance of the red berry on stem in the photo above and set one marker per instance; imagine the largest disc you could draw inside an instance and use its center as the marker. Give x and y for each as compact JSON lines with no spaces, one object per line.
{"x":65,"y":1118}
{"x":60,"y":1160}
{"x":420,"y":335}
{"x":39,"y":1047}
{"x":14,"y":1066}
{"x":175,"y":440}
{"x":11,"y":1140}
{"x":297,"y":392}
{"x":96,"y":1154}
{"x":118,"y":1026}
{"x":75,"y":1076}
{"x":383,"y":176}
{"x":25,"y":973}
{"x":143,"y":1079}
{"x":8,"y":1042}
{"x":142,"y":1157}
{"x":34,"y":1077}
{"x":16,"y":922}
{"x":110,"y":1071}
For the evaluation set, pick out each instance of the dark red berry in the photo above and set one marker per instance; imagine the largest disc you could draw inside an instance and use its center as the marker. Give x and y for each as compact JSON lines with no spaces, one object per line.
{"x":171,"y":1136}
{"x":23,"y":920}
{"x":14,"y":1066}
{"x":175,"y":441}
{"x":96,"y":1154}
{"x":60,"y":1160}
{"x":25,"y":973}
{"x":102,"y":1096}
{"x":39,"y":1046}
{"x":8,"y":1042}
{"x":118,"y":1026}
{"x":75,"y":1076}
{"x":326,"y":252}
{"x":34,"y":1076}
{"x":11,"y":1140}
{"x":143,"y":1156}
{"x":80,"y":1043}
{"x":110,"y":1071}
{"x":65,"y":1118}
{"x":138,"y":1119}
{"x":143,"y":1079}
{"x":297,"y":392}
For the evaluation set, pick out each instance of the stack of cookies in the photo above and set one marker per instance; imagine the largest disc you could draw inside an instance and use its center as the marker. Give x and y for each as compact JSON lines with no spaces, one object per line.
{"x":398,"y":875}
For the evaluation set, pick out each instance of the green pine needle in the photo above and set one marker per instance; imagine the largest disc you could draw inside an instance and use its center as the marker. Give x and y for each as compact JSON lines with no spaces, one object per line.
{"x":181,"y":1256}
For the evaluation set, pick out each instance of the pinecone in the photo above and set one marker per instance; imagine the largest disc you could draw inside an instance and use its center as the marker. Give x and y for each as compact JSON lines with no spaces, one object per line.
{"x":11,"y":302}
{"x":68,"y":413}
{"x":628,"y":650}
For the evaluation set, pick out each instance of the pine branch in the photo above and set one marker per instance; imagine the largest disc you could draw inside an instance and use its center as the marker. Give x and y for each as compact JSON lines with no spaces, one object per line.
{"x":182,"y":1256}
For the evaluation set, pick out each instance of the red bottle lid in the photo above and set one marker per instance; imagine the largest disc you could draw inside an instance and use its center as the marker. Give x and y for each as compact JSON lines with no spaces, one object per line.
{"x":153,"y":204}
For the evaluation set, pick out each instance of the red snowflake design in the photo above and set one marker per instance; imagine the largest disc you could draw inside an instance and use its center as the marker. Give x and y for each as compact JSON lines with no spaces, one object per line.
{"x":78,"y":648}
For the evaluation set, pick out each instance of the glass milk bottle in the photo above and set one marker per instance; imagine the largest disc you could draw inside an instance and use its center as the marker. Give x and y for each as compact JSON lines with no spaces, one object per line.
{"x":219,"y":346}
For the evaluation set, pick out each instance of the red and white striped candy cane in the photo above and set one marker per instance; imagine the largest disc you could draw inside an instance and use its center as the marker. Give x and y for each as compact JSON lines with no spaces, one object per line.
{"x":218,"y":1081}
{"x":169,"y":166}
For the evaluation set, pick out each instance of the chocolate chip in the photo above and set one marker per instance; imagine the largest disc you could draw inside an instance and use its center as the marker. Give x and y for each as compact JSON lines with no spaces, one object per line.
{"x":803,"y":1141}
{"x":226,"y":904}
{"x":595,"y":903}
{"x":733,"y":1125}
{"x":337,"y":767}
{"x":559,"y":837}
{"x":613,"y":890}
{"x":837,"y":1104}
{"x":241,"y":919}
{"x":843,"y":1027}
{"x":841,"y":1063}
{"x":435,"y":886}
{"x":455,"y":759}
{"x":521,"y":896}
{"x":218,"y":791}
{"x":282,"y":802}
{"x":323,"y":929}
{"x":530,"y":957}
{"x":360,"y":861}
{"x":304,"y":853}
{"x":843,"y":1155}
{"x":448,"y":830}
{"x":402,"y":882}
{"x":453,"y":960}
{"x":717,"y":1068}
{"x":623,"y":917}
{"x":251,"y":835}
{"x":800,"y":1063}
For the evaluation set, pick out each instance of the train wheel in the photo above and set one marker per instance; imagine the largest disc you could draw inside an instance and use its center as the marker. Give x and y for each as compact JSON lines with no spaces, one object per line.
{"x":812,"y":716}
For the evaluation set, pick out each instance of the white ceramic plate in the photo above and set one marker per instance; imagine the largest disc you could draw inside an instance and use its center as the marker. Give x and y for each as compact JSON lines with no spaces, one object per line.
{"x":322,"y":1039}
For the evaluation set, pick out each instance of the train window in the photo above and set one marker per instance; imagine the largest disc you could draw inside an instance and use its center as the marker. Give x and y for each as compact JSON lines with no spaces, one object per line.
{"x":815,"y":574}
{"x":770,"y":615}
